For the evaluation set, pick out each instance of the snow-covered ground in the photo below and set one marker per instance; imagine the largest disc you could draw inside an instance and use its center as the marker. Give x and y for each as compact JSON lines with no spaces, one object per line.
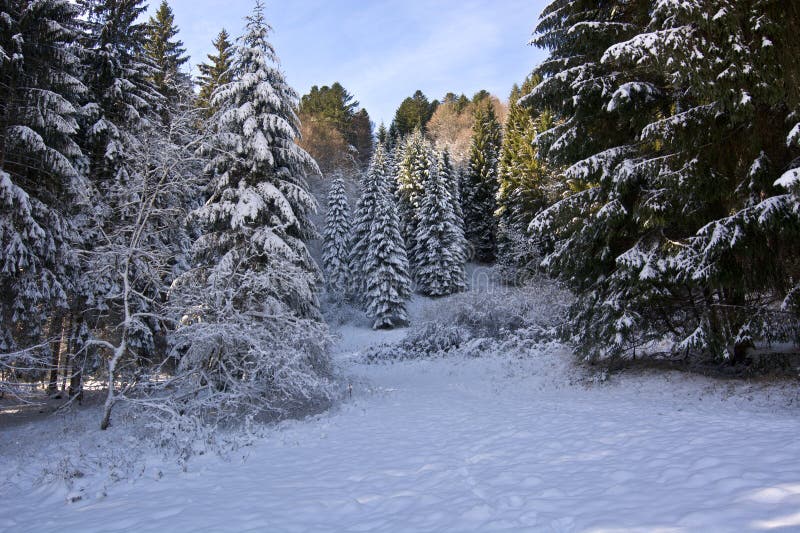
{"x":465,"y":444}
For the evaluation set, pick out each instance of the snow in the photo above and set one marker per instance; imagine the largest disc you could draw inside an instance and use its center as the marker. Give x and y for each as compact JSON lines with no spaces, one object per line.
{"x":501,"y":442}
{"x":789,"y":179}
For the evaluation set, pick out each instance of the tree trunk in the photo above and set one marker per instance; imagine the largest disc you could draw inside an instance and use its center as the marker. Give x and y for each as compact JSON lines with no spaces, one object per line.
{"x":76,"y":361}
{"x":55,"y":351}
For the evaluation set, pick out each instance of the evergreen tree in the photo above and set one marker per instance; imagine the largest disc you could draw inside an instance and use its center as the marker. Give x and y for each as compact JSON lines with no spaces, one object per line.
{"x":337,"y":231}
{"x":522,"y":190}
{"x":480,"y":185}
{"x":373,"y":182}
{"x":385,"y":268}
{"x":121,"y":103}
{"x":257,"y":218}
{"x":167,"y":54}
{"x":675,"y":163}
{"x":39,"y":184}
{"x":457,"y":241}
{"x":413,"y":114}
{"x":215,"y":73}
{"x":526,"y":185}
{"x":440,"y":268}
{"x":413,"y":166}
{"x":336,"y":108}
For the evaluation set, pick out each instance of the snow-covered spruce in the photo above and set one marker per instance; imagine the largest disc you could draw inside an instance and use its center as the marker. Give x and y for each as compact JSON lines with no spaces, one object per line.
{"x":451,"y":179}
{"x":372,"y":183}
{"x":337,"y":231}
{"x":440,"y":266}
{"x":413,"y":163}
{"x":664,"y":235}
{"x":384,"y":267}
{"x":253,"y":341}
{"x":39,"y":183}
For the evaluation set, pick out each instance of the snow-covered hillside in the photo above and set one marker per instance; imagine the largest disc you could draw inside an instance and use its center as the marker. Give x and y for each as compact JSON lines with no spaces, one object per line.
{"x":515,"y":442}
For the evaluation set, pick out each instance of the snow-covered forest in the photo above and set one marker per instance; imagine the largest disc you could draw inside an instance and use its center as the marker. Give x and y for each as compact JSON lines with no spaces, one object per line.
{"x":572,"y":307}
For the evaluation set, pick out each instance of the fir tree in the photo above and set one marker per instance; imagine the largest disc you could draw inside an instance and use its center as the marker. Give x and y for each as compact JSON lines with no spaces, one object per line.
{"x":335,"y":253}
{"x":413,"y":114}
{"x":385,"y":267}
{"x":440,"y":268}
{"x":167,"y":54}
{"x":39,"y":184}
{"x":257,"y":219}
{"x":480,"y":185}
{"x":216,"y":72}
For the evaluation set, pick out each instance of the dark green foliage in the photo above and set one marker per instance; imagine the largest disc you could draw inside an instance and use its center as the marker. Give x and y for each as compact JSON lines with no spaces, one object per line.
{"x":39,"y":184}
{"x":480,"y":185}
{"x":216,"y":72}
{"x":167,"y":54}
{"x":414,"y":113}
{"x":673,"y":139}
{"x":338,"y":108}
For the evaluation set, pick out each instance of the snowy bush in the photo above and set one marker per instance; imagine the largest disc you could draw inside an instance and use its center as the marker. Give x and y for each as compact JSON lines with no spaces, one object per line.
{"x":251,"y":370}
{"x":476,"y":323}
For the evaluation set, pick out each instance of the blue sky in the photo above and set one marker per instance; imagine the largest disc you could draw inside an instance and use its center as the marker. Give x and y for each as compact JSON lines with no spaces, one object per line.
{"x":382,"y":50}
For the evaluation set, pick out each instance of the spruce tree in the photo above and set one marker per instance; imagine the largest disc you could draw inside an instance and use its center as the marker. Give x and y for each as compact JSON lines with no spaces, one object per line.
{"x":216,"y":72}
{"x":480,"y":185}
{"x":525,"y":184}
{"x":676,"y":211}
{"x":167,"y":54}
{"x":120,"y":108}
{"x":335,"y":255}
{"x":385,"y":267}
{"x":373,"y":182}
{"x":714,"y":164}
{"x":40,"y":187}
{"x":440,"y":267}
{"x":596,"y":222}
{"x":456,"y":240}
{"x":253,"y":343}
{"x":257,"y":219}
{"x":522,"y":178}
{"x":413,"y":166}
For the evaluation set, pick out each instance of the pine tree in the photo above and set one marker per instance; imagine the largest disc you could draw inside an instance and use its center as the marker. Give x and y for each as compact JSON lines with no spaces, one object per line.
{"x":335,"y":255}
{"x":40,"y":187}
{"x":257,"y":219}
{"x":480,"y":185}
{"x":413,"y":114}
{"x":167,"y":54}
{"x":440,"y":269}
{"x":215,"y":73}
{"x":413,"y":166}
{"x":385,"y":267}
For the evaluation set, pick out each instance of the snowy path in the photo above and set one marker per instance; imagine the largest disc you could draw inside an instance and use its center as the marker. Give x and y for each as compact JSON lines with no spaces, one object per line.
{"x":476,"y":445}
